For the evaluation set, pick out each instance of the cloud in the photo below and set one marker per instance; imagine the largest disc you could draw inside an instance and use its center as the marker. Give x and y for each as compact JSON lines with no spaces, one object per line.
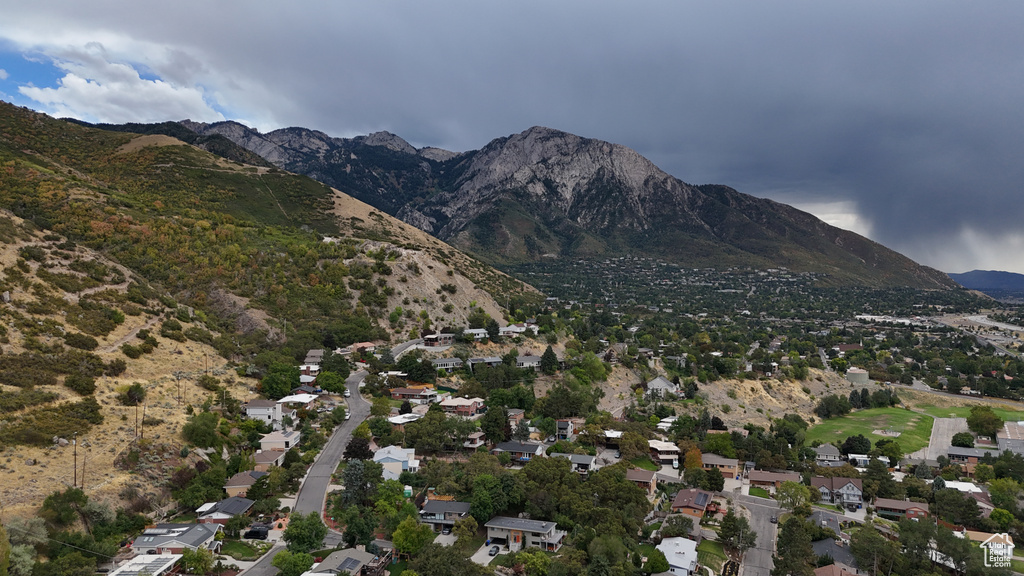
{"x":3,"y":74}
{"x":98,"y":90}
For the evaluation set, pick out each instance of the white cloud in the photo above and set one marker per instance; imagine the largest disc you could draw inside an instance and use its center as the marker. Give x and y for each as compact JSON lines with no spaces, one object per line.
{"x":3,"y":74}
{"x":99,"y":90}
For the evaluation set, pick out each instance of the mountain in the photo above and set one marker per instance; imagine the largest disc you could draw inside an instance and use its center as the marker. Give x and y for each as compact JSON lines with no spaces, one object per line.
{"x":999,"y":285}
{"x":544,"y":194}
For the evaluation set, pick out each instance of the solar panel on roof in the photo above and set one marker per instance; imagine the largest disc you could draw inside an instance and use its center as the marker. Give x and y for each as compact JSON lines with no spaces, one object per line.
{"x":349,"y":564}
{"x":702,"y":499}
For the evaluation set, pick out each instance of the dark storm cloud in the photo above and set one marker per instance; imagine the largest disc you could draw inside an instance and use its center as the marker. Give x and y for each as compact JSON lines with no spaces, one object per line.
{"x":905,"y":114}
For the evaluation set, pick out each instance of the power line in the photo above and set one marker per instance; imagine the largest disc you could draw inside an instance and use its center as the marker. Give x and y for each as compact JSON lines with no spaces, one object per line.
{"x":93,"y":552}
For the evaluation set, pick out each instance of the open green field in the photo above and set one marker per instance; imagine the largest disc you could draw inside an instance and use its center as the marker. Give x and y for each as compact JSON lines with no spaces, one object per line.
{"x":915,"y":429}
{"x":965,"y":411}
{"x":712,"y":554}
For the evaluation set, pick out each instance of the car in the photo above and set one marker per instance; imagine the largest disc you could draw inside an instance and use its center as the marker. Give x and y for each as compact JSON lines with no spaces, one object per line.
{"x":618,"y":454}
{"x":675,"y":464}
{"x":775,"y":519}
{"x":446,"y":530}
{"x":551,"y":439}
{"x":493,"y":551}
{"x":256,"y":533}
{"x":348,"y":393}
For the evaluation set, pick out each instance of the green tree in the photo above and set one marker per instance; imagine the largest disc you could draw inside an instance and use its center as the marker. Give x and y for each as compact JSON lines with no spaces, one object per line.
{"x":198,"y":561}
{"x":381,"y":406}
{"x":678,"y":525}
{"x":331,"y":382}
{"x":984,"y":422}
{"x":735,"y":532}
{"x":63,"y":508}
{"x":793,"y":494}
{"x":874,"y":552}
{"x":292,"y":563}
{"x":713,"y":480}
{"x":201,"y":430}
{"x":549,"y":361}
{"x":720,"y":444}
{"x":410,"y":537}
{"x":358,"y":449}
{"x":23,"y":557}
{"x":280,"y":380}
{"x":963,"y":440}
{"x":794,"y":552}
{"x":5,"y":552}
{"x":494,"y":425}
{"x":656,"y":563}
{"x":305,"y":532}
{"x":465,"y":530}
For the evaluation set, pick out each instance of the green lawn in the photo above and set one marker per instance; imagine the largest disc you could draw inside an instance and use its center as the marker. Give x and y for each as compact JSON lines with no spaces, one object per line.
{"x":759,"y":492}
{"x":396,"y":569}
{"x":965,"y":411}
{"x":644,"y":463}
{"x":711,"y":554}
{"x":915,"y":429}
{"x":238,"y":550}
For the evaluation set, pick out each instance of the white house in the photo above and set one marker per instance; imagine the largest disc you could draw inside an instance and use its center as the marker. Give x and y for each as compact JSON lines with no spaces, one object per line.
{"x":661,"y":387}
{"x":519,"y":533}
{"x":281,"y":440}
{"x":681,"y":554}
{"x":518,"y":329}
{"x":396,"y":460}
{"x":266,"y":411}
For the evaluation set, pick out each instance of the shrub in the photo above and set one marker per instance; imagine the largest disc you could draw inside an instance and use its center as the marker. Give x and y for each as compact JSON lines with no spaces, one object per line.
{"x":132,"y":395}
{"x":81,"y":341}
{"x":81,"y":384}
{"x":130,"y":351}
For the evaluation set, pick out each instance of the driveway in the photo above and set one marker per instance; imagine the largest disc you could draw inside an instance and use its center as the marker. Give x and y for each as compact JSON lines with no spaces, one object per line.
{"x":481,"y":557}
{"x":942,"y":435}
{"x":758,"y":560}
{"x":445,"y":539}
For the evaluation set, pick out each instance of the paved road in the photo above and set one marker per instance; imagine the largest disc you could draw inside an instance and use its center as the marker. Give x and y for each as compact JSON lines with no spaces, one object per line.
{"x":758,"y":560}
{"x":402,"y":348}
{"x":942,"y":435}
{"x":314,"y":487}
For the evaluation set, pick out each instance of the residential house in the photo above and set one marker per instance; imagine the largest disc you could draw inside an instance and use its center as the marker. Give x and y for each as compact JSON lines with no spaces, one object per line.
{"x":474,"y":441}
{"x":520,"y":451}
{"x":771,"y":481}
{"x":531,"y":362}
{"x":612,"y":437}
{"x":644,"y":479}
{"x":836,"y":569}
{"x":692,"y":502}
{"x":681,"y":554}
{"x":661,"y":387}
{"x":434,"y":340}
{"x":958,"y":455}
{"x":515,"y":416}
{"x":175,"y":538}
{"x":564,"y":429}
{"x":264,"y":459}
{"x":148,"y":564}
{"x":828,"y":456}
{"x":352,"y":561}
{"x":518,"y":330}
{"x":396,"y":460}
{"x":221,"y":512}
{"x":315,"y":356}
{"x":580,"y":463}
{"x":265,"y":411}
{"x":490,"y":361}
{"x":842,"y":349}
{"x":443,"y":513}
{"x":662,"y":452}
{"x":465,"y":407}
{"x":447,"y":364}
{"x":477,"y":333}
{"x":399,"y":422}
{"x":240,"y":483}
{"x":415,"y":395}
{"x":516,"y":534}
{"x":729,"y":467}
{"x":978,"y":493}
{"x":847,"y":492}
{"x":282,"y":440}
{"x":896,"y":509}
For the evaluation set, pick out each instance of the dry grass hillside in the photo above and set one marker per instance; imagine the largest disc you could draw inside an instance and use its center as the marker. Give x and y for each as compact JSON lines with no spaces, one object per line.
{"x":42,"y":295}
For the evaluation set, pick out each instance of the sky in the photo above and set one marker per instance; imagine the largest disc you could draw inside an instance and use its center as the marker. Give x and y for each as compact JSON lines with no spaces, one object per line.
{"x":902,"y":121}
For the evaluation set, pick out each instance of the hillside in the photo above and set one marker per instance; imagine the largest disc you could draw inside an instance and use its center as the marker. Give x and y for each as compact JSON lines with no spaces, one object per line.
{"x":143,"y":259}
{"x":997,"y":284}
{"x":548,"y":195}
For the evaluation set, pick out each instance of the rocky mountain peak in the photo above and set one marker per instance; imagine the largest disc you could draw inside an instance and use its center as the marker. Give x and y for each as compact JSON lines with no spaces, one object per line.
{"x":387,"y":140}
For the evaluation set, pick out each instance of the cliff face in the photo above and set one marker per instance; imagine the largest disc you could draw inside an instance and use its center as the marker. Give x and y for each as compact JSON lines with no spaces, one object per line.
{"x":544,"y":193}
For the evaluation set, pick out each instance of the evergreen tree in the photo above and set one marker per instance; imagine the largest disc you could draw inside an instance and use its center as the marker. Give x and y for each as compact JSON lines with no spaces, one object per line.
{"x":549,"y":361}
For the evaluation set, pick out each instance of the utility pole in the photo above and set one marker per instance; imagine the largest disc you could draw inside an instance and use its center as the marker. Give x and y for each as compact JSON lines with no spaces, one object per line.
{"x":142,"y":428}
{"x":74,"y":444}
{"x":85,"y":456}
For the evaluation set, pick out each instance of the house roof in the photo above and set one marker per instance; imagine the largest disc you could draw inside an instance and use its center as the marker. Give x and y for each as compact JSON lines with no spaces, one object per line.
{"x":298,"y":398}
{"x":267,"y":456}
{"x":662,"y":446}
{"x":576,"y":458}
{"x":638,"y":475}
{"x":260,"y":403}
{"x":396,"y":452}
{"x":661,"y":383}
{"x":692,"y":498}
{"x":968,"y":452}
{"x":231,"y":506}
{"x":148,"y":564}
{"x":445,"y":507}
{"x":834,"y":483}
{"x":680,"y":553}
{"x":520,"y":447}
{"x":836,"y":569}
{"x":904,"y":505}
{"x":523,"y":524}
{"x":528,"y":359}
{"x":827,"y":450}
{"x":716,"y":460}
{"x":247,"y":478}
{"x":166,"y":536}
{"x":766,"y":476}
{"x":281,"y":436}
{"x":349,"y":560}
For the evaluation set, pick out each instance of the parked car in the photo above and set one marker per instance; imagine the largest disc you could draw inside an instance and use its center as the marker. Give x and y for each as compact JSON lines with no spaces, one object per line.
{"x":775,"y":520}
{"x":446,"y":530}
{"x":256,"y":533}
{"x":348,"y":393}
{"x":493,"y":551}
